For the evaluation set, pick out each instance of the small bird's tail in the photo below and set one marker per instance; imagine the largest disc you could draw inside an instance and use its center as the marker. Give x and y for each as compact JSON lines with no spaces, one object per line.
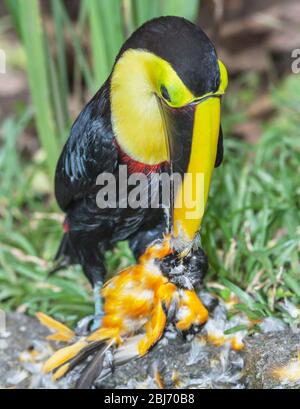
{"x":66,"y":359}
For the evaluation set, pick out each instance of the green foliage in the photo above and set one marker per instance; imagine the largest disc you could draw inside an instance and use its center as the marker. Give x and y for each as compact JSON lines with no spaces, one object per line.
{"x":30,"y":26}
{"x":144,"y":10}
{"x":29,"y":236}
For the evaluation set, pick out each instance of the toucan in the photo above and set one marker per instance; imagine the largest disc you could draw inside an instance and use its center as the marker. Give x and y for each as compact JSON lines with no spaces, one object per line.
{"x":158,"y":112}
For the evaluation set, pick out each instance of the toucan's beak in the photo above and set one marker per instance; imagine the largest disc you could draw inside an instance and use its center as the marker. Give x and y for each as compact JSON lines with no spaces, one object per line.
{"x":192,"y":133}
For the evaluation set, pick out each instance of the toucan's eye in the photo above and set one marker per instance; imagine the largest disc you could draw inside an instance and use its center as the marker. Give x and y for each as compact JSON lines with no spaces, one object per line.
{"x":164,"y":93}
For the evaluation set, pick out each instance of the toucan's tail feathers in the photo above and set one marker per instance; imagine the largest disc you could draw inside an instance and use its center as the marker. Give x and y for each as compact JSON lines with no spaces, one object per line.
{"x":65,"y":255}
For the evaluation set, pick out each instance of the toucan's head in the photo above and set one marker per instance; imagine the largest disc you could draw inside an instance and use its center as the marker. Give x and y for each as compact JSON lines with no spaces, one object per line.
{"x":165,"y":94}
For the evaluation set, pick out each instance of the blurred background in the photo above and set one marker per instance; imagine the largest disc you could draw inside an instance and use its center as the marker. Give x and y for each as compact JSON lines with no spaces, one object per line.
{"x":59,"y":52}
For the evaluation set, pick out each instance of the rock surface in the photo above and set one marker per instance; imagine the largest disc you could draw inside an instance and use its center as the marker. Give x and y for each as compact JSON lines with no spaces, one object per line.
{"x":173,"y":363}
{"x":266,"y":353}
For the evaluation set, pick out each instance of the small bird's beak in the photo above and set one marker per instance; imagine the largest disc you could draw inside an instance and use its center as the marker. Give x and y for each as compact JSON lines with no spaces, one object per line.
{"x":192,"y":133}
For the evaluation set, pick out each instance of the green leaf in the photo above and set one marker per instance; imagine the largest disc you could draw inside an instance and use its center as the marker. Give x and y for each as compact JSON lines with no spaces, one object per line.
{"x":34,"y":42}
{"x":292,"y":283}
{"x":235,"y":329}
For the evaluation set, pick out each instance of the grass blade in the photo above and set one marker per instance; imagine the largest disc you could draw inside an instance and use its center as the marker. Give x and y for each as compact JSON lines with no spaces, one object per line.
{"x":37,"y":68}
{"x":99,"y":54}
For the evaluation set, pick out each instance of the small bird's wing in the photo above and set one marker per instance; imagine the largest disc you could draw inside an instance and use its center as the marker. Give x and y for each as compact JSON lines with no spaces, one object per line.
{"x":88,"y":152}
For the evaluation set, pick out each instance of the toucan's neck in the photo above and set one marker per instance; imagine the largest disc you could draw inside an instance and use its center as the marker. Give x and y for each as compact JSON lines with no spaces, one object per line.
{"x":136,"y":118}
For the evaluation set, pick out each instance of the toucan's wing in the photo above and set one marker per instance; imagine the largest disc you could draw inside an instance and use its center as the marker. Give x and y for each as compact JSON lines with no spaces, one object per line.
{"x":220,"y":149}
{"x":88,"y":152}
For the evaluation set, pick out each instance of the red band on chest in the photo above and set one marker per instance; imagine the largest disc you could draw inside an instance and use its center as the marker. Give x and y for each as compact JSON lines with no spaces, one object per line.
{"x":66,"y":226}
{"x":135,"y":166}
